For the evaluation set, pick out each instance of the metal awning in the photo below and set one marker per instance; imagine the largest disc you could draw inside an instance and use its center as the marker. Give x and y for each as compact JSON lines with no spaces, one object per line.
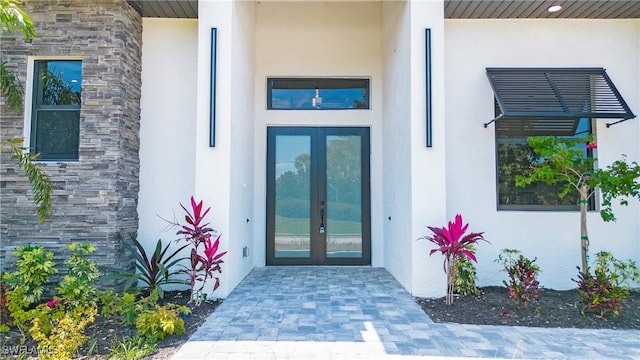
{"x":551,"y":101}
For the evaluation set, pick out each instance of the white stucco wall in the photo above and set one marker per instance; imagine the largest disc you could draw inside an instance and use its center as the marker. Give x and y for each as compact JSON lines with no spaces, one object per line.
{"x":167,"y":124}
{"x":429,"y":188}
{"x":318,"y":39}
{"x":241,"y":222}
{"x":413,"y":185}
{"x":397,"y":149}
{"x":176,"y":160}
{"x":552,"y":237}
{"x":414,"y":177}
{"x":224,"y":173}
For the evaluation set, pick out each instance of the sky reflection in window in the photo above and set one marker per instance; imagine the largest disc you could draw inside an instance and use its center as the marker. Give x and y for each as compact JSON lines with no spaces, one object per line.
{"x":318,"y":94}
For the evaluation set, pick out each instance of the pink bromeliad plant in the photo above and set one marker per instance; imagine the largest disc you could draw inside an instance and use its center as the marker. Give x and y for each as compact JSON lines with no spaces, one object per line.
{"x":453,"y":244}
{"x":206,"y":263}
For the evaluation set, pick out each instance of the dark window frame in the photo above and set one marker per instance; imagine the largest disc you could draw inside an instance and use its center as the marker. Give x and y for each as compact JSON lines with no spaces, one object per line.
{"x":521,"y":139}
{"x":38,"y":108}
{"x":320,"y":83}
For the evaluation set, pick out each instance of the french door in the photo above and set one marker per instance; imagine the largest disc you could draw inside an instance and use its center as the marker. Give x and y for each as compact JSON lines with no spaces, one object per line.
{"x":318,"y":196}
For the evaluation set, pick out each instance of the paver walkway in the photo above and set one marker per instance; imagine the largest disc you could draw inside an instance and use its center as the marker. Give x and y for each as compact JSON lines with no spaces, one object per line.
{"x":364,"y":313}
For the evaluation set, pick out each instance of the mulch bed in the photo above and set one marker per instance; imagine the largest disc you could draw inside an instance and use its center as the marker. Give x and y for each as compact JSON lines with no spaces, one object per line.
{"x":554,"y":309}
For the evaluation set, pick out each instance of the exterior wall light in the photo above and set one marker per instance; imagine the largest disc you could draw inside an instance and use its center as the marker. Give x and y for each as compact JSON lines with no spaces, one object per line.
{"x":554,"y":8}
{"x":317,"y":100}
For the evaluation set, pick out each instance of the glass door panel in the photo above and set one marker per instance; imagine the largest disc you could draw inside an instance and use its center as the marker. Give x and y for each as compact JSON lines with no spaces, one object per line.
{"x":344,"y":196}
{"x":318,"y":197}
{"x":292,"y":196}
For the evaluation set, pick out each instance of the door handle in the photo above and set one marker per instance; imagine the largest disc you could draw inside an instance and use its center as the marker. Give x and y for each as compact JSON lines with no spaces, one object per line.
{"x":322,"y":229}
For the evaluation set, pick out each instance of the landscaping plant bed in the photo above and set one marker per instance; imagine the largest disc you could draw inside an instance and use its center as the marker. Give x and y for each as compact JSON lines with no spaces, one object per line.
{"x":106,"y":333}
{"x":492,"y":306}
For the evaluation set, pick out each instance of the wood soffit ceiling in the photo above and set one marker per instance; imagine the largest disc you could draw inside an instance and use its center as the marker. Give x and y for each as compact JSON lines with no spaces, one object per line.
{"x":453,"y":9}
{"x":537,"y":9}
{"x":187,"y":9}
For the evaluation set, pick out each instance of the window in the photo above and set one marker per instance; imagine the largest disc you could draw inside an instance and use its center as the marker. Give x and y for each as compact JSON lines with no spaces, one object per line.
{"x":515,"y":157}
{"x":317,"y":94}
{"x":559,"y":102}
{"x":55,"y":117}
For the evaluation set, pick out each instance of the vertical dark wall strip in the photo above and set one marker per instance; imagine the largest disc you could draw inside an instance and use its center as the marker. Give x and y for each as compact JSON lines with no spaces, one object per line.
{"x":427,"y":46}
{"x":212,"y":86}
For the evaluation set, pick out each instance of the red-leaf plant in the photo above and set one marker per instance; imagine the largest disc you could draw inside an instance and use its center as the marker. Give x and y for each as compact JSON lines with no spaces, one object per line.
{"x":453,"y":244}
{"x":202,"y":267}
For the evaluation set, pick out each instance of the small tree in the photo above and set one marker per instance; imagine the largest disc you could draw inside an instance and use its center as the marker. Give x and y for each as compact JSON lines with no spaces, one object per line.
{"x":453,"y":244}
{"x":202,"y":267}
{"x":562,"y":160}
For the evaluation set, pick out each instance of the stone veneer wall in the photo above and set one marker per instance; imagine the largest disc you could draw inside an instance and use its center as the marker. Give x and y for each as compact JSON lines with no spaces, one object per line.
{"x":96,"y":197}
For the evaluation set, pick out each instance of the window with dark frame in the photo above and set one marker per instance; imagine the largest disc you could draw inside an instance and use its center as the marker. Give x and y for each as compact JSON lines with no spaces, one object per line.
{"x":317,"y":93}
{"x":515,"y":157}
{"x":55,"y":116}
{"x":560,"y":102}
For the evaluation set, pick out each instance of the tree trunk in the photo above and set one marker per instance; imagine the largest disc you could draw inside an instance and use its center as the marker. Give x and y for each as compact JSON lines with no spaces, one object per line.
{"x":584,"y":238}
{"x":451,"y":280}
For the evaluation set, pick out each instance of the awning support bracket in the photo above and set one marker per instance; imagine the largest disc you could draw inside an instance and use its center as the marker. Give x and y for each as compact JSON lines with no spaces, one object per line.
{"x":494,"y":120}
{"x":617,"y":122}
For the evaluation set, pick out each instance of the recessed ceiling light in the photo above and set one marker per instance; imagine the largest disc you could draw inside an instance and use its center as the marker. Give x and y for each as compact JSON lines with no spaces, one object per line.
{"x":554,"y":8}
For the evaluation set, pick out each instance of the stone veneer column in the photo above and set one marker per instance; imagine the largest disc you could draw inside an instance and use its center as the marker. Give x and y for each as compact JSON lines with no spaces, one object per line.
{"x":96,"y":197}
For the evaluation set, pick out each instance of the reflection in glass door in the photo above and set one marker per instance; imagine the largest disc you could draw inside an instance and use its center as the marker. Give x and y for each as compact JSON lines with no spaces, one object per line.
{"x":318,"y":202}
{"x":344,"y":196}
{"x":292,"y":196}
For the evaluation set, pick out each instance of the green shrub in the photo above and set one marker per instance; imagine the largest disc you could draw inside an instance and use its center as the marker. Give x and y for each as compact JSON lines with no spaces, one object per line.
{"x":153,"y":269}
{"x":604,"y":291}
{"x":59,"y":330}
{"x":57,"y":326}
{"x":25,"y":285}
{"x":5,"y":315}
{"x":33,"y":266}
{"x":109,"y":303}
{"x":466,"y":277}
{"x":130,"y":349}
{"x":523,"y":276}
{"x":125,"y":307}
{"x":155,"y":324}
{"x":79,"y":285}
{"x":18,"y":307}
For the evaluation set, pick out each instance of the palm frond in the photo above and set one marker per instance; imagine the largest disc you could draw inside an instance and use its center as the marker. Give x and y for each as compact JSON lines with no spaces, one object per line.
{"x":39,"y":180}
{"x":13,"y":18}
{"x":11,"y":88}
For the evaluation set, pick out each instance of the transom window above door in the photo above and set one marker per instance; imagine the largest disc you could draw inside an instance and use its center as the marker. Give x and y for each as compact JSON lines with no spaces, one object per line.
{"x":317,"y":93}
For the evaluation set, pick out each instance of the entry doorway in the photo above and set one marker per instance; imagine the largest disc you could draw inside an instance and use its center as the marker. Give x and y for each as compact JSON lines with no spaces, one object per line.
{"x":318,"y":196}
